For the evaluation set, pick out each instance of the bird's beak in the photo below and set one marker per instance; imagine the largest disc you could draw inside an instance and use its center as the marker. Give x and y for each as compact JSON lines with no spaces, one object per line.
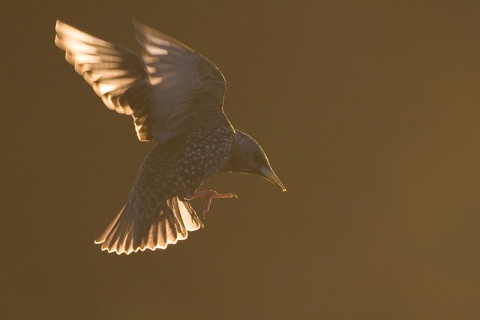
{"x":272,"y":177}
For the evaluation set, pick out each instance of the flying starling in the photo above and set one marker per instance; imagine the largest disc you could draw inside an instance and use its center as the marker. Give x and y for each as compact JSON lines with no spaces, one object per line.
{"x":175,"y":96}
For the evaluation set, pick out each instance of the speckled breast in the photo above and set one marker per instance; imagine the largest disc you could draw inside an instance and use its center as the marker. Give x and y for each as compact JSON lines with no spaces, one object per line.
{"x":179,"y":166}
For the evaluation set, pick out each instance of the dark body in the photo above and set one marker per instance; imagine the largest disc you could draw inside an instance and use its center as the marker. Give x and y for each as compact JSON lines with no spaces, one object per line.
{"x":168,"y":176}
{"x":180,"y":165}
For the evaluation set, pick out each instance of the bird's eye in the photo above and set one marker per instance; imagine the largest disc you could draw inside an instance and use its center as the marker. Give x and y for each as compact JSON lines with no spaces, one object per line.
{"x":260,"y":159}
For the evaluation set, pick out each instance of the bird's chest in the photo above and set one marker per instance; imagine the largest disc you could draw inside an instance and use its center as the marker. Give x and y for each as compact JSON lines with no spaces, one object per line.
{"x":202,"y":154}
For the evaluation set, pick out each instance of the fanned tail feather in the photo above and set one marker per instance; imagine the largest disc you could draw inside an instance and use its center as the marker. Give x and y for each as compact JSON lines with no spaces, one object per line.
{"x":131,"y":230}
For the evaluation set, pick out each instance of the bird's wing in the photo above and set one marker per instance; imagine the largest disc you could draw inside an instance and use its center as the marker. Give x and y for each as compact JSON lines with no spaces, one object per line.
{"x":168,"y":90}
{"x":115,"y":73}
{"x":186,"y":89}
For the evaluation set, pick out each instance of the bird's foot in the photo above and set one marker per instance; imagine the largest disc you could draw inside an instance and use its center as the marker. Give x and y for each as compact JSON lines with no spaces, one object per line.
{"x":209,"y":195}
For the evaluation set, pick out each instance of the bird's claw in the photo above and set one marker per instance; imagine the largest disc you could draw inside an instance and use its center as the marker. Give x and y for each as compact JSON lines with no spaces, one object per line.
{"x":209,"y":195}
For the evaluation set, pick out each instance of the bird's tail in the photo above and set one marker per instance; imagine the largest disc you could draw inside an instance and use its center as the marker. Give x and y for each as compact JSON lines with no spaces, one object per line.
{"x":131,"y":231}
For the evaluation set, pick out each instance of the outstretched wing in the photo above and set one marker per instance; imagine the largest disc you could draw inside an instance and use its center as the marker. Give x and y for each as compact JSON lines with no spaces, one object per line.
{"x":187,"y":89}
{"x":169,"y":90}
{"x":115,"y":73}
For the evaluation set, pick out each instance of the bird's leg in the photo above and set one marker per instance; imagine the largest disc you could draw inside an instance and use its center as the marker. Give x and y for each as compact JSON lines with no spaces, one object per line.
{"x":209,"y":195}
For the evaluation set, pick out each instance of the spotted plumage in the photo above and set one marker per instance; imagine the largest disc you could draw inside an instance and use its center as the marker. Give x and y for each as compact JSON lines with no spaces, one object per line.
{"x":175,"y":96}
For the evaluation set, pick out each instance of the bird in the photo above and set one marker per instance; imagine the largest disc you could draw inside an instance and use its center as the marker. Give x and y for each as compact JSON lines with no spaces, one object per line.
{"x":175,"y":96}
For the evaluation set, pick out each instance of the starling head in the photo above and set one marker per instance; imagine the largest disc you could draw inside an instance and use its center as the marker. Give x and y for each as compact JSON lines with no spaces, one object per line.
{"x":250,"y":158}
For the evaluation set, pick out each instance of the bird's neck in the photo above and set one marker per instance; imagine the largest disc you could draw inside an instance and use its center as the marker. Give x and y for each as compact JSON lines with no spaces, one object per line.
{"x":235,"y":163}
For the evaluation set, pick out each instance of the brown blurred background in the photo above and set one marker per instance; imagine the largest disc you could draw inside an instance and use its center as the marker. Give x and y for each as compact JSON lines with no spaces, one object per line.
{"x":368,"y":110}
